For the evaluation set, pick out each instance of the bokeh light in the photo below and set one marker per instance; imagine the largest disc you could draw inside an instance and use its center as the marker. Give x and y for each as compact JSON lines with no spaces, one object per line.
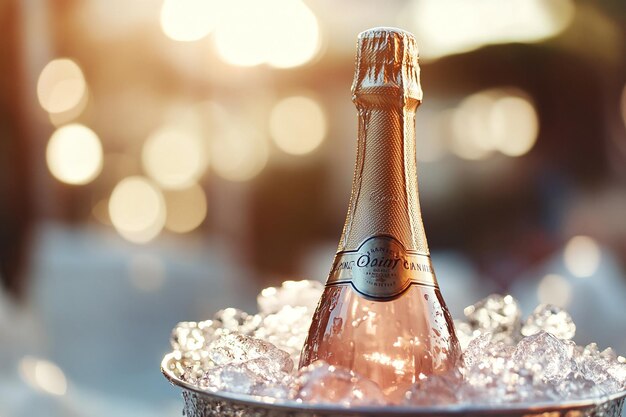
{"x":74,"y":154}
{"x":295,"y":37}
{"x":146,"y":272}
{"x":239,"y":152}
{"x":188,"y":20}
{"x":62,"y":118}
{"x":174,"y":157}
{"x":61,"y":86}
{"x":137,"y":209}
{"x":470,"y":127}
{"x":241,"y":36}
{"x":186,"y":209}
{"x":298,"y":125}
{"x":514,"y":125}
{"x":446,"y":27}
{"x":281,"y":33}
{"x":554,"y":289}
{"x":502,"y":120}
{"x":582,"y":256}
{"x":114,"y":19}
{"x":43,"y":375}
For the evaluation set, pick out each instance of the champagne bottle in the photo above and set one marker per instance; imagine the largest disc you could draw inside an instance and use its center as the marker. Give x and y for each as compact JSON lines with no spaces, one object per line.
{"x":381,"y":313}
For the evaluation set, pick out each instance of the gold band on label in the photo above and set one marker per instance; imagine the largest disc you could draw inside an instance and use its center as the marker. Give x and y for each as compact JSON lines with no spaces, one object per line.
{"x":381,"y":269}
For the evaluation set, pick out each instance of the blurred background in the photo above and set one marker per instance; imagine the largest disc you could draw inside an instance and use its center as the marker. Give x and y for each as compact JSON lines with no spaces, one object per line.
{"x":163,"y":159}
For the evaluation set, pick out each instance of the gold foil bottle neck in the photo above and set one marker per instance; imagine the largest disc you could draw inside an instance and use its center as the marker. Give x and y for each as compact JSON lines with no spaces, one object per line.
{"x":387,"y":64}
{"x":386,"y":92}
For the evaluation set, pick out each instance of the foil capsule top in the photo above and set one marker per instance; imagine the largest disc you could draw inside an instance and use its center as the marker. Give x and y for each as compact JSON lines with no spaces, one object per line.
{"x":386,"y":65}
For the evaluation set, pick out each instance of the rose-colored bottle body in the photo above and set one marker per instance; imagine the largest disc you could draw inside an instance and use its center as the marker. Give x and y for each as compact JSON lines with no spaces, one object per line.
{"x":381,"y":313}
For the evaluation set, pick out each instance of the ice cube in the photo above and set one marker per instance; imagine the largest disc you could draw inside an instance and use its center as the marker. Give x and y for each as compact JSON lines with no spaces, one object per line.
{"x":576,"y":386}
{"x":597,"y":371}
{"x":617,"y":371}
{"x":550,"y":319}
{"x":233,"y":320}
{"x":236,"y":348}
{"x":287,"y":329}
{"x":474,"y":351}
{"x":290,"y":293}
{"x":191,"y":373}
{"x":255,"y":377}
{"x":609,"y":354}
{"x":545,"y":356}
{"x":190,"y":339}
{"x":324,"y":383}
{"x":189,"y":335}
{"x":465,"y":333}
{"x":278,"y":391}
{"x":230,"y":378}
{"x":498,"y":315}
{"x":435,"y":389}
{"x":492,"y":376}
{"x":609,"y":374}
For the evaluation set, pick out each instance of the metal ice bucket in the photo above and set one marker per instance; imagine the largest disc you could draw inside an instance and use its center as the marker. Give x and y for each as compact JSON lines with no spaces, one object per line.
{"x":200,"y":403}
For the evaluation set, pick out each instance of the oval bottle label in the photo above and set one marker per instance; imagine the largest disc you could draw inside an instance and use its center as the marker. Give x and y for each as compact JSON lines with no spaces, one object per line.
{"x":381,"y":269}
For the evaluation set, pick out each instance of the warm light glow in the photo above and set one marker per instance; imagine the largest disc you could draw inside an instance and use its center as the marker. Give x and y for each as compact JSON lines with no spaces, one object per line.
{"x":446,"y":27}
{"x":137,"y":209}
{"x":269,"y":292}
{"x":514,"y":125}
{"x":62,"y":118}
{"x":61,"y":86}
{"x":295,"y":37}
{"x":297,"y":125}
{"x":147,"y":272}
{"x":384,"y":359}
{"x":281,"y":33}
{"x":104,"y":21}
{"x":288,"y":285}
{"x":43,"y":375}
{"x":241,"y":37}
{"x":554,"y":289}
{"x":239,"y":153}
{"x":174,"y":157}
{"x":188,"y":20}
{"x":186,"y":209}
{"x":74,"y":154}
{"x":470,"y":127}
{"x":494,"y":120}
{"x":581,"y":256}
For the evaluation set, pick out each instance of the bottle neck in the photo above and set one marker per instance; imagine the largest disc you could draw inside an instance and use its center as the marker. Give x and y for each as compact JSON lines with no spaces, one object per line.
{"x":384,"y":200}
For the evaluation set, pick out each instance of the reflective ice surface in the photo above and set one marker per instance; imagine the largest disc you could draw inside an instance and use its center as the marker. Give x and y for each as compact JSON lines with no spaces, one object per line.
{"x":551,"y":319}
{"x":506,"y":359}
{"x":323,"y":383}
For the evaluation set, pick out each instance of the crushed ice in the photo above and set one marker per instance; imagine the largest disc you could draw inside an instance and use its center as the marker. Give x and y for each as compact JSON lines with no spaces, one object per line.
{"x":505,"y":359}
